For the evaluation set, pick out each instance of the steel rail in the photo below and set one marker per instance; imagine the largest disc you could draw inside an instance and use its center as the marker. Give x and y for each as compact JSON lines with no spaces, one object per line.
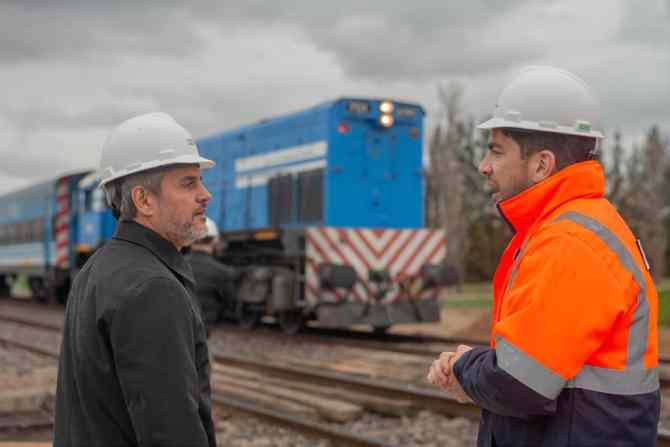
{"x":26,"y":346}
{"x":24,"y":421}
{"x":423,"y":397}
{"x":29,"y":321}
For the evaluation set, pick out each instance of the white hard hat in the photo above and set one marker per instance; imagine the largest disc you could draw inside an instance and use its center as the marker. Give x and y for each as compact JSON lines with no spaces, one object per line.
{"x":547,"y":99}
{"x":212,"y":229}
{"x":146,"y":142}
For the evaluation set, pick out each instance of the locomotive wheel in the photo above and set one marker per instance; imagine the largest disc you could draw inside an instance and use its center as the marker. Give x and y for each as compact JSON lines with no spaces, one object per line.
{"x":4,"y":287}
{"x":290,"y":321}
{"x":381,"y":330}
{"x":61,"y":292}
{"x":39,"y":290}
{"x":247,"y":316}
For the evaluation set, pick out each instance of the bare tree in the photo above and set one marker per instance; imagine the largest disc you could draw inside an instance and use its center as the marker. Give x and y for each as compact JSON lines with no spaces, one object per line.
{"x":643,"y":201}
{"x":653,"y":234}
{"x":614,"y":172}
{"x":434,"y":212}
{"x":445,"y":190}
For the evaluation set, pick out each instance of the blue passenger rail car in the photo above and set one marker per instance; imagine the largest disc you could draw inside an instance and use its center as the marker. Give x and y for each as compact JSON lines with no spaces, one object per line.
{"x":40,"y":234}
{"x":324,"y":209}
{"x":37,"y":226}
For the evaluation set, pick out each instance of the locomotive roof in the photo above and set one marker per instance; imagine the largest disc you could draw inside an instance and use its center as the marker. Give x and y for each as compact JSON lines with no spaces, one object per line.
{"x":318,"y":108}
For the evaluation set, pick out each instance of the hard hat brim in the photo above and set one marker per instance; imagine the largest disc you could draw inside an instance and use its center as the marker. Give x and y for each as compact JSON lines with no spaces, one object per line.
{"x":204,"y":163}
{"x":497,"y":123}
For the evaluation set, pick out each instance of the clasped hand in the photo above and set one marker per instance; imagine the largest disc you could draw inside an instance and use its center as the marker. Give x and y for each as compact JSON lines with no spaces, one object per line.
{"x":441,"y":373}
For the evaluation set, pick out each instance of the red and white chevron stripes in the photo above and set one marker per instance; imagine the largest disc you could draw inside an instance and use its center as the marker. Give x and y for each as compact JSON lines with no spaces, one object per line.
{"x":62,"y":224}
{"x":400,"y":252}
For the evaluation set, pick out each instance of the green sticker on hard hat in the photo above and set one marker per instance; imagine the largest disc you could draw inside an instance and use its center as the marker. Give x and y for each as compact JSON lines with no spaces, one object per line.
{"x":583,"y":126}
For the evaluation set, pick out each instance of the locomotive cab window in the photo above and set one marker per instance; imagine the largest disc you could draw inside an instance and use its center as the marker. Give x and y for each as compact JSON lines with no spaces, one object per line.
{"x":310,"y":193}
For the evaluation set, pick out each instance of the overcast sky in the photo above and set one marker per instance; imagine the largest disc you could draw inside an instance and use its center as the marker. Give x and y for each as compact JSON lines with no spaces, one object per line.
{"x":71,"y":71}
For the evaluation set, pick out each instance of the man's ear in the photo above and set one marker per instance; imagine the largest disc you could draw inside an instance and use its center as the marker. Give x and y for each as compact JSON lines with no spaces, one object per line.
{"x":543,"y":165}
{"x":144,"y":201}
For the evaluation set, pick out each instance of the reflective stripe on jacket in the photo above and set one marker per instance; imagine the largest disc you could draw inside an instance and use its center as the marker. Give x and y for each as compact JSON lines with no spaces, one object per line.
{"x":574,"y":344}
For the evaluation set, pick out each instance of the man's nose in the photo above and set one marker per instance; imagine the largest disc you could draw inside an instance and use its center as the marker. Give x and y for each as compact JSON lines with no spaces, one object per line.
{"x":204,"y":195}
{"x":484,"y":167}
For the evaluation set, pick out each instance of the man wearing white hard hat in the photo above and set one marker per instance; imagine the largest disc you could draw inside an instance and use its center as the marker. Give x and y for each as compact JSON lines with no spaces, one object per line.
{"x":134,"y":363}
{"x":573,"y":355}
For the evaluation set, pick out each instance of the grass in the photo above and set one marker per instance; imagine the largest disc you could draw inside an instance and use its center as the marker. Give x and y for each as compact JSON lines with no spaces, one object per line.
{"x":468,"y":295}
{"x":479,"y":295}
{"x":467,"y":303}
{"x":664,"y":307}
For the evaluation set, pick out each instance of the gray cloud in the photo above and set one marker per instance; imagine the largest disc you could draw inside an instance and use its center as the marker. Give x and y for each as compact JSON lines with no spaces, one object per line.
{"x":648,"y":25}
{"x":89,"y":30}
{"x":26,"y":153}
{"x":53,"y":116}
{"x":384,"y":40}
{"x":635,"y":98}
{"x":636,"y":86}
{"x":395,"y":40}
{"x":73,"y":70}
{"x":205,"y":109}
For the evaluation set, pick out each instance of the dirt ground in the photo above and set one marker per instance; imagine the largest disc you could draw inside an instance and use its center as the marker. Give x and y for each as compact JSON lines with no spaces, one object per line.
{"x":664,"y":342}
{"x":466,"y":322}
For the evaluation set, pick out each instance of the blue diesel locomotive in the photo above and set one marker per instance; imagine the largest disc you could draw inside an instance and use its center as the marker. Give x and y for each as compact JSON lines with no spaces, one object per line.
{"x":323,"y":209}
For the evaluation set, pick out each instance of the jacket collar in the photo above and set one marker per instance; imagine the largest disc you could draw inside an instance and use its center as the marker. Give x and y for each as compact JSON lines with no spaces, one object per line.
{"x":580,"y":180}
{"x":198,"y":253}
{"x":163,"y":249}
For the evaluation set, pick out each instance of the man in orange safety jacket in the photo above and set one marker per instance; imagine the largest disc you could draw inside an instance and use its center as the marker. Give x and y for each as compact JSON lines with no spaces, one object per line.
{"x":573,"y":353}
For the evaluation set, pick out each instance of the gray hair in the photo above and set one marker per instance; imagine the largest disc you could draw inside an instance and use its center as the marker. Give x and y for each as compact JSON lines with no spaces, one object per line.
{"x":119,"y":192}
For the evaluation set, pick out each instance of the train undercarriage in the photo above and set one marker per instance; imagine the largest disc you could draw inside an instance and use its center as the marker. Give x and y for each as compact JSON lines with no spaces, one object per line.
{"x":292,"y":277}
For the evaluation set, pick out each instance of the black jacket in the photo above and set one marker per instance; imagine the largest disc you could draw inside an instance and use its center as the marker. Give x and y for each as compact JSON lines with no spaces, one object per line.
{"x":134,"y":366}
{"x":214,"y":285}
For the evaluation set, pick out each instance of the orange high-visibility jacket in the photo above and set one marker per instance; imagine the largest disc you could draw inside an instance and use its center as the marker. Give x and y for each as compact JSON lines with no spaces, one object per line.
{"x":574,"y":321}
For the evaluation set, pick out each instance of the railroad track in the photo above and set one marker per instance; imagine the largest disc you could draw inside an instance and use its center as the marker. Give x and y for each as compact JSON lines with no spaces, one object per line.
{"x":42,"y":341}
{"x":299,"y":424}
{"x":345,"y":383}
{"x":418,"y":344}
{"x":420,"y":397}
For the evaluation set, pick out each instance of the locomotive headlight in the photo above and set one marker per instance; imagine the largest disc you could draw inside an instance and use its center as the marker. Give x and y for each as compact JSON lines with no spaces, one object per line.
{"x":386,"y":120}
{"x":386,"y":107}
